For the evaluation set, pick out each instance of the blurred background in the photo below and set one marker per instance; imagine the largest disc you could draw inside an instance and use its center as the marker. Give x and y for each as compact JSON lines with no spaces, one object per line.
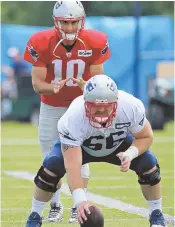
{"x":141,"y":39}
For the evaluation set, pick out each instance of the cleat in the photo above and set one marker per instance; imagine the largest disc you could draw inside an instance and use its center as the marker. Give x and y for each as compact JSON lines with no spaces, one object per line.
{"x":157,"y":219}
{"x":55,"y":214}
{"x":34,"y":220}
{"x":73,"y":216}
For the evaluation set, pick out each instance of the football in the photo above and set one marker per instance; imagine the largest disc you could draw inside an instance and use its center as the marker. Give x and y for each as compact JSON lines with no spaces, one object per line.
{"x":94,"y":219}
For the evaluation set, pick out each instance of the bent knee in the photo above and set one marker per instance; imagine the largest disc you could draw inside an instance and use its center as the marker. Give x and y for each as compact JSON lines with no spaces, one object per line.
{"x":54,"y":165}
{"x":45,"y":181}
{"x":150,"y":177}
{"x":50,"y":174}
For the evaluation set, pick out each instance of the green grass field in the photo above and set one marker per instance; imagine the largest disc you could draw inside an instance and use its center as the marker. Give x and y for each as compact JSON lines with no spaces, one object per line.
{"x":106,"y":180}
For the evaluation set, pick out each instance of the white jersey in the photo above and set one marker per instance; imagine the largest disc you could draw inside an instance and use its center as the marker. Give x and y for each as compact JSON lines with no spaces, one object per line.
{"x":74,"y":127}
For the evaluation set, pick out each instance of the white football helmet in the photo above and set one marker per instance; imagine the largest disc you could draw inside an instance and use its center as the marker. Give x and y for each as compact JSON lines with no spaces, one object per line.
{"x":100,"y":91}
{"x":68,"y":11}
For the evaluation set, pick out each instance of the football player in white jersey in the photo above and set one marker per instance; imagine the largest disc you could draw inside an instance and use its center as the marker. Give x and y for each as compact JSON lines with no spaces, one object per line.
{"x":103,"y":125}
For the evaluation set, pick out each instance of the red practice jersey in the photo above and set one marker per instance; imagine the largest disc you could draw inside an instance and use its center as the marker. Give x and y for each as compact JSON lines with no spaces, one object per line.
{"x":76,"y":63}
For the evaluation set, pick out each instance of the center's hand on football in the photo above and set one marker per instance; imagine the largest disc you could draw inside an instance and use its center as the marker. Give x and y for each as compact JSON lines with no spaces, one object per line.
{"x":57,"y":85}
{"x":81,"y":208}
{"x":80,"y":82}
{"x":125,"y":162}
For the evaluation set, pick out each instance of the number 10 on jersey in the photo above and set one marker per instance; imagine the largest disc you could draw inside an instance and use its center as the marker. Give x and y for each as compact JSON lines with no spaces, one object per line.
{"x":74,"y":68}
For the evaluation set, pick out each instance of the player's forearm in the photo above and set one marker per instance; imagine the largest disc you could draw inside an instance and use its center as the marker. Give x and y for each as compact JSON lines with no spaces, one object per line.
{"x":74,"y":177}
{"x":43,"y":87}
{"x":138,"y":147}
{"x":76,"y":185}
{"x":143,"y":144}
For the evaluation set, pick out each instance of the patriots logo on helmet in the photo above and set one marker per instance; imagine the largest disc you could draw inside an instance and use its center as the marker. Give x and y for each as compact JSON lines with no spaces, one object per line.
{"x":89,"y":87}
{"x":33,"y":53}
{"x":58,"y":4}
{"x":141,"y":122}
{"x":112,"y":87}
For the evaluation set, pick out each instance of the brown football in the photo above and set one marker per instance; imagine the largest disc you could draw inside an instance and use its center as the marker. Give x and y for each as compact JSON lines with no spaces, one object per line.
{"x":94,"y":219}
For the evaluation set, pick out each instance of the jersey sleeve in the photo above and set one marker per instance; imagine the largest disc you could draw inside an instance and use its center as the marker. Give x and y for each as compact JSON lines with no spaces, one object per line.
{"x":139,"y":118}
{"x":34,"y":53}
{"x":70,"y":126}
{"x":68,"y":134}
{"x":102,"y":54}
{"x":100,"y":45}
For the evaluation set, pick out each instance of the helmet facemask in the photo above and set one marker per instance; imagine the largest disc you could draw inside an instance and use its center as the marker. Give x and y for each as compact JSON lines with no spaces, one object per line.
{"x":100,"y":95}
{"x":69,"y":36}
{"x":97,"y":119}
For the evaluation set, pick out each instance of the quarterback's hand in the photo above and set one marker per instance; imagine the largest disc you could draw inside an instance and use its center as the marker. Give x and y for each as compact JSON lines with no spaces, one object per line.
{"x":81,"y":208}
{"x":125,"y":162}
{"x":80,"y":82}
{"x":57,"y":85}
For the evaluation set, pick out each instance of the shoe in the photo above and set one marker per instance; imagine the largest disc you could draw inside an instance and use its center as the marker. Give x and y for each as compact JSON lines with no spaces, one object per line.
{"x":55,"y":213}
{"x":157,"y":219}
{"x":34,"y":220}
{"x":73,"y":216}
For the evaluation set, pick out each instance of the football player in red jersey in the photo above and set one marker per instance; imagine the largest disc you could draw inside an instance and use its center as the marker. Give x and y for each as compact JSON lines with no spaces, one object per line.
{"x":62,"y":59}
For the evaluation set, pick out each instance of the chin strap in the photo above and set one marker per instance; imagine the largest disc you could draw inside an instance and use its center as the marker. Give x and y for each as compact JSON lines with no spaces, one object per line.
{"x":62,"y":41}
{"x":81,"y":42}
{"x":56,"y":48}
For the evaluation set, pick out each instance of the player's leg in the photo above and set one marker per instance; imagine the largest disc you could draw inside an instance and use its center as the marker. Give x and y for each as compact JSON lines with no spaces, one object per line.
{"x":148,"y":171}
{"x":48,"y":134}
{"x":46,"y":182}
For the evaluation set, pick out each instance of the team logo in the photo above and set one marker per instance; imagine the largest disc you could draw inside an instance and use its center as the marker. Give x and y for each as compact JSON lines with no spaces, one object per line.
{"x":141,"y":122}
{"x":69,"y":55}
{"x":85,"y":53}
{"x":33,"y":53}
{"x":58,"y":4}
{"x":122,"y":125}
{"x":105,"y":49}
{"x":113,"y":87}
{"x":89,"y":87}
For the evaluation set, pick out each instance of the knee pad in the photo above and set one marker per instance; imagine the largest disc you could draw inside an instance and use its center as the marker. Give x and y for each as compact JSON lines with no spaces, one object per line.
{"x":150,"y":178}
{"x":46,"y":182}
{"x":55,"y":165}
{"x":85,"y":171}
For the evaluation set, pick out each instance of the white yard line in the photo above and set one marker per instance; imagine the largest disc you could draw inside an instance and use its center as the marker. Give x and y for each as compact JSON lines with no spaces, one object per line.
{"x":31,"y":142}
{"x":116,"y":178}
{"x":47,"y":208}
{"x":99,"y":199}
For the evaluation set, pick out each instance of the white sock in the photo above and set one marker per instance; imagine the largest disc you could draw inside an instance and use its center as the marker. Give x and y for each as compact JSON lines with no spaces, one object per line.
{"x":56,"y":197}
{"x":85,"y":190}
{"x":154,"y":205}
{"x":38,"y":206}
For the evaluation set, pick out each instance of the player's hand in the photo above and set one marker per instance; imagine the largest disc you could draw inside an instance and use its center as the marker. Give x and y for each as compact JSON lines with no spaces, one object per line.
{"x":81,"y":208}
{"x":125,"y":162}
{"x":80,"y":82}
{"x":57,"y":85}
